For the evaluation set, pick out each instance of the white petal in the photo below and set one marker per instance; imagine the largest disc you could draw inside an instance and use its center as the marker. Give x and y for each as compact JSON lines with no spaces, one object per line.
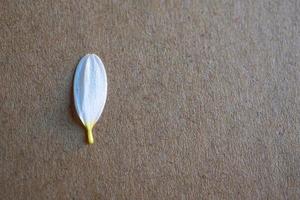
{"x":90,"y":90}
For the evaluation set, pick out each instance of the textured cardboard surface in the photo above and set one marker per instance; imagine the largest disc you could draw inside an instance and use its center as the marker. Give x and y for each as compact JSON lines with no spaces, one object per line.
{"x":203,"y":100}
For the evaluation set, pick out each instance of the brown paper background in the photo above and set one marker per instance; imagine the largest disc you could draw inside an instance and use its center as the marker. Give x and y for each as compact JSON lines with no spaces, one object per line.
{"x":203,"y":100}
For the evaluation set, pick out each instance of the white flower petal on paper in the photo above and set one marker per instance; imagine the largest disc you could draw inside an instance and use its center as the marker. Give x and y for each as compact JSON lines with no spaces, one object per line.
{"x":90,"y":91}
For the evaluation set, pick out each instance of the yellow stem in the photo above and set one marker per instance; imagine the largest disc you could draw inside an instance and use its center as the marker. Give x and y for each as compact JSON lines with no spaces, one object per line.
{"x":90,"y":134}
